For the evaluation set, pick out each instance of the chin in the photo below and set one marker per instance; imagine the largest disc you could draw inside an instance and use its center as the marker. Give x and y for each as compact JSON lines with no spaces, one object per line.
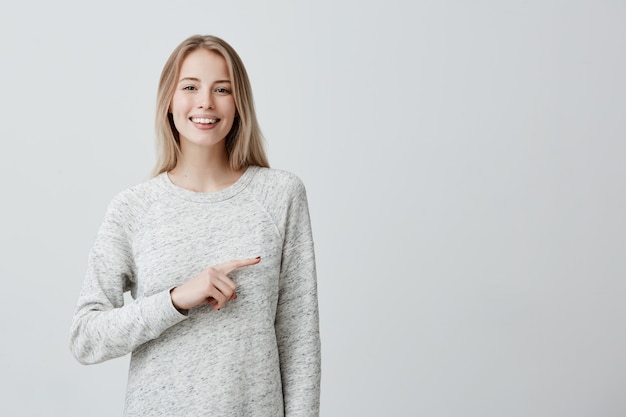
{"x":206,"y":142}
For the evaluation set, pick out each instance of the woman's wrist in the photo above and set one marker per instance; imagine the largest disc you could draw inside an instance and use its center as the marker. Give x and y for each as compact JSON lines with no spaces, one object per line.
{"x":176,"y":306}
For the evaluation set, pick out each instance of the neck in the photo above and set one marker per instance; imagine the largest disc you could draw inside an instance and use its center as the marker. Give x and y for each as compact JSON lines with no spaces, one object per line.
{"x":204,"y":170}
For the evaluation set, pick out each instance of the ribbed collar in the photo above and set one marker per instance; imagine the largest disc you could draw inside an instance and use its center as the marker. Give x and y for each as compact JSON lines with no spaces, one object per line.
{"x":200,"y":197}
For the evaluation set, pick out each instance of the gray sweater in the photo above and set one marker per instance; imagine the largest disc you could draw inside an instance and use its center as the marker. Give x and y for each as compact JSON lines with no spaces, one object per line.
{"x":257,"y":356}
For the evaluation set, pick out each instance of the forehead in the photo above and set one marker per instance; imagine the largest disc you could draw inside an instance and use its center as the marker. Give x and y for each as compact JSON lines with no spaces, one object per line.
{"x":205,"y":65}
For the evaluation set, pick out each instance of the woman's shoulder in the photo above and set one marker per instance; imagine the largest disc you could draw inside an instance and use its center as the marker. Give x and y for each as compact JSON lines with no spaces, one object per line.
{"x":277,"y":190}
{"x":279,"y":179}
{"x":137,"y":197}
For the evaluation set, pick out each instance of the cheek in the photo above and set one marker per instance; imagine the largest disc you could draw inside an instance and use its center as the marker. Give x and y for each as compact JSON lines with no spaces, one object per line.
{"x":179,"y":104}
{"x":232,"y":109}
{"x":178,"y":113}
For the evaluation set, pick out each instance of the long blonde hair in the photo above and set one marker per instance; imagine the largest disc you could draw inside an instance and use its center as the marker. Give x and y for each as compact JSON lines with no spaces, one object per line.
{"x":244,"y":142}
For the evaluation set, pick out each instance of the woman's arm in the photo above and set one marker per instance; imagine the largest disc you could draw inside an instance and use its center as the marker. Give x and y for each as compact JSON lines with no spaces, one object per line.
{"x":103,"y":327}
{"x":297,"y":317}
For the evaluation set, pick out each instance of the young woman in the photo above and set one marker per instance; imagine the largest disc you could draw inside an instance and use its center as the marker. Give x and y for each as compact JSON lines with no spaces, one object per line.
{"x":217,"y":252}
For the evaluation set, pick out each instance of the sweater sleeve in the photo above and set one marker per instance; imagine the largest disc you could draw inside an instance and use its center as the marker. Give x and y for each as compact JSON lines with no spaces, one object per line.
{"x":103,"y":327}
{"x":297,"y":317}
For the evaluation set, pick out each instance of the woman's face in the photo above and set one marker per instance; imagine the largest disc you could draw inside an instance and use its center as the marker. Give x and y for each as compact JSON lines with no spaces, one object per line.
{"x":203,"y":106}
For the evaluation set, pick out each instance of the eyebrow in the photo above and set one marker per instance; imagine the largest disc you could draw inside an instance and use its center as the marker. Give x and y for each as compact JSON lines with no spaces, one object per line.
{"x":198,"y":80}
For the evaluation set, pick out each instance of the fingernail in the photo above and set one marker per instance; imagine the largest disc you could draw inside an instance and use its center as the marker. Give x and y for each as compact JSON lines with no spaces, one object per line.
{"x":258,"y":257}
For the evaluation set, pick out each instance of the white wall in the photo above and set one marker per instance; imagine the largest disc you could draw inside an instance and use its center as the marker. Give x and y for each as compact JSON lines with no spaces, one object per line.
{"x":465,"y":169}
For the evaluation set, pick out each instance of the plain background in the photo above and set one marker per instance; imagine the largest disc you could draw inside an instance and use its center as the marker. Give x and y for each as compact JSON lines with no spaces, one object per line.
{"x":464,"y":163}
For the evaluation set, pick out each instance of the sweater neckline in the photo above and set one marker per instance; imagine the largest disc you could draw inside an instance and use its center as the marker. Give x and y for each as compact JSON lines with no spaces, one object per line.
{"x":213,"y":197}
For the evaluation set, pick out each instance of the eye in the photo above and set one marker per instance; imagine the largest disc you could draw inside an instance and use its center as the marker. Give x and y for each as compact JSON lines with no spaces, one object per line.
{"x":222,"y":90}
{"x":189,"y":88}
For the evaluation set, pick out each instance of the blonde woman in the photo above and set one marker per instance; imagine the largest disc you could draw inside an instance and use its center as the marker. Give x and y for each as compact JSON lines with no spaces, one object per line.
{"x":217,"y":252}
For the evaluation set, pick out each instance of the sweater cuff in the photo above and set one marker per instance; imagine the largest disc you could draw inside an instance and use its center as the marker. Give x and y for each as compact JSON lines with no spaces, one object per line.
{"x":159,"y":312}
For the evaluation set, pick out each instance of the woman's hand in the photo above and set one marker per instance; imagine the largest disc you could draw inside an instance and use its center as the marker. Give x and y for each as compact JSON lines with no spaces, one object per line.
{"x":211,"y":286}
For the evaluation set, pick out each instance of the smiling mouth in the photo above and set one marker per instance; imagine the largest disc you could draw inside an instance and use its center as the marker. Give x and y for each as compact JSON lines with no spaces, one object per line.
{"x":204,"y":120}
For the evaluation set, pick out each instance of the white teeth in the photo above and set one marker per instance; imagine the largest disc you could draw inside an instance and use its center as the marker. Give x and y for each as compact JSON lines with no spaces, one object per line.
{"x":203,"y":120}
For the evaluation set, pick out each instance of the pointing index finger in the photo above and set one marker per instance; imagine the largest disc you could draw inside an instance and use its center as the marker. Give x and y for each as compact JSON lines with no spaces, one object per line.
{"x":239,"y":263}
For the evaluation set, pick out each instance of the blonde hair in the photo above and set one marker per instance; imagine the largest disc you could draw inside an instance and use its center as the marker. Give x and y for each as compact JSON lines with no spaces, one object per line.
{"x":244,"y":142}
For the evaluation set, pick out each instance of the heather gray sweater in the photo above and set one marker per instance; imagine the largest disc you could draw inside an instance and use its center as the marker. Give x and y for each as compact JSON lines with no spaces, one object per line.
{"x":257,"y":356}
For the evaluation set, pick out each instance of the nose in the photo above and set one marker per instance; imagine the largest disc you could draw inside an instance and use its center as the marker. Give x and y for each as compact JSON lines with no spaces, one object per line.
{"x":206,"y":101}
